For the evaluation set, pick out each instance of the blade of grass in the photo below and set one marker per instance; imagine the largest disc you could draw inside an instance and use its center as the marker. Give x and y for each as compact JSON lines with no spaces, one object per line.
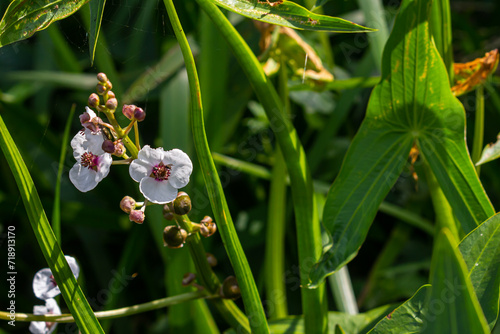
{"x":96,"y":11}
{"x":73,"y":295}
{"x":477,"y":143}
{"x":249,"y":293}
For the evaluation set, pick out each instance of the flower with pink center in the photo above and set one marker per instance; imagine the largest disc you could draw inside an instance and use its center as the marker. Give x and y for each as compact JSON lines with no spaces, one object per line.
{"x":160,"y":173}
{"x":92,"y":163}
{"x":42,"y":327}
{"x":44,"y":285}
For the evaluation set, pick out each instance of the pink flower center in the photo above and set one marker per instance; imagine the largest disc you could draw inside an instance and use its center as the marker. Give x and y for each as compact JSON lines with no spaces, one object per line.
{"x":52,"y":279}
{"x":90,"y":160}
{"x":160,"y":172}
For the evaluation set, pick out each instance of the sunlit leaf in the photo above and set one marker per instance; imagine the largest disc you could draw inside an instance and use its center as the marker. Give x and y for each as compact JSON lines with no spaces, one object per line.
{"x":481,"y":252}
{"x":25,"y":17}
{"x":490,"y":152}
{"x":289,"y":14}
{"x":412,"y":103}
{"x":96,"y":11}
{"x":469,"y":75}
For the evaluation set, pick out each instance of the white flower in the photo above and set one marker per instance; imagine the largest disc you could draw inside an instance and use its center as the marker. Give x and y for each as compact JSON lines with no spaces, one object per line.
{"x":44,"y":285}
{"x":161,"y":173}
{"x":42,"y":327}
{"x":90,"y":121}
{"x":92,"y":163}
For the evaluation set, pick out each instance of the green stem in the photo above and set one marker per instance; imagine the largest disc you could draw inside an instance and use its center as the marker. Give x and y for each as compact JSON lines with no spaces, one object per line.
{"x":243,"y":273}
{"x":343,"y":293}
{"x":112,"y":314}
{"x":314,"y":303}
{"x":477,"y":144}
{"x":208,"y":279}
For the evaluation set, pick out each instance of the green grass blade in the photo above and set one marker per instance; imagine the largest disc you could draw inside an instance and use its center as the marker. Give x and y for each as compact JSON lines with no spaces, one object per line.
{"x":440,"y":25}
{"x":289,"y":14}
{"x":249,"y":292}
{"x":22,"y":19}
{"x":73,"y":295}
{"x":482,"y":257}
{"x":96,"y":11}
{"x":56,"y":211}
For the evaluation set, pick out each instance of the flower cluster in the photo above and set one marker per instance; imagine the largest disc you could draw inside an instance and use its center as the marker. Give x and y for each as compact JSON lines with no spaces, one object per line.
{"x":45,"y":288}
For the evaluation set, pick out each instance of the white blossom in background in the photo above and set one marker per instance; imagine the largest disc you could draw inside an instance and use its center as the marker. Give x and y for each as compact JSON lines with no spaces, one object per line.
{"x":44,"y":285}
{"x":160,"y":173}
{"x":92,"y":163}
{"x":42,"y":327}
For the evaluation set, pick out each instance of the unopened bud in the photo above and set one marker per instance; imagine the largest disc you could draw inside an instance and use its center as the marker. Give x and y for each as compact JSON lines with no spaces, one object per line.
{"x":230,"y":288}
{"x":168,"y":211}
{"x":93,"y":101}
{"x":102,"y":77}
{"x":108,"y":85}
{"x":139,"y":114}
{"x":108,"y":146}
{"x":188,"y":279}
{"x":111,"y":95}
{"x":128,"y":110}
{"x":207,"y":227}
{"x":112,"y":104}
{"x":119,"y":149}
{"x":182,"y":204}
{"x":100,"y":88}
{"x":211,"y":259}
{"x":127,"y":204}
{"x":174,"y":237}
{"x":137,"y":216}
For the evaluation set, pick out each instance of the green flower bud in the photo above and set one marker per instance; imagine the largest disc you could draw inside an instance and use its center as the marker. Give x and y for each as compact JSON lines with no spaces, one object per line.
{"x":174,"y":237}
{"x":168,"y":211}
{"x":182,"y":204}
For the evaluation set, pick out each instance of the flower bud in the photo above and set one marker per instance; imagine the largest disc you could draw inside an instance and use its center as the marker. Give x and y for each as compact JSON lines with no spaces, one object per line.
{"x":211,"y":259}
{"x":188,"y":279}
{"x":128,"y":110}
{"x":174,"y":237}
{"x":230,"y":289}
{"x":139,"y":114}
{"x":137,"y":216}
{"x":112,"y":104}
{"x":127,"y":204}
{"x":182,"y":204}
{"x":207,"y":227}
{"x":111,"y":95}
{"x":100,"y":88}
{"x":168,"y":211}
{"x":108,"y":85}
{"x":108,"y":146}
{"x":119,"y":149}
{"x":102,"y":77}
{"x":93,"y":101}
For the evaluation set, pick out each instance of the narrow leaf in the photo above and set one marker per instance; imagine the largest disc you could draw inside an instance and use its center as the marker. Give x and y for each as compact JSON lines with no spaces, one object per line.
{"x":481,"y":252}
{"x":96,"y":11}
{"x":490,"y":152}
{"x":73,"y":295}
{"x":23,"y":18}
{"x":289,"y":14}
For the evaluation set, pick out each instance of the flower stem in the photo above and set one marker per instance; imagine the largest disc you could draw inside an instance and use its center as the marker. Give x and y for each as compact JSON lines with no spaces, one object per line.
{"x":116,"y":313}
{"x":237,"y":257}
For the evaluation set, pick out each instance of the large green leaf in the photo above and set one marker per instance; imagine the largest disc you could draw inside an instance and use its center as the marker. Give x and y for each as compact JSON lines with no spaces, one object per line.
{"x":25,"y":17}
{"x":289,"y":14}
{"x":73,"y":295}
{"x":481,"y":252}
{"x":96,"y":11}
{"x":412,"y":103}
{"x":448,"y":305}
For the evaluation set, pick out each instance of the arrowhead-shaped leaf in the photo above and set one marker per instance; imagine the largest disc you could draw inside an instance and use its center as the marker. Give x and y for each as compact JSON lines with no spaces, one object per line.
{"x":289,"y":14}
{"x":412,"y":104}
{"x":25,"y":17}
{"x":481,"y":252}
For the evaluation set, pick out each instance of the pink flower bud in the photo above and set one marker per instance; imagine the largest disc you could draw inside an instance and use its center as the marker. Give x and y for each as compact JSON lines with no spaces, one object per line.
{"x":108,"y":146}
{"x":102,"y":77}
{"x":93,"y":100}
{"x":127,"y":204}
{"x":128,"y":110}
{"x":139,"y":114}
{"x":137,"y":216}
{"x":112,"y":104}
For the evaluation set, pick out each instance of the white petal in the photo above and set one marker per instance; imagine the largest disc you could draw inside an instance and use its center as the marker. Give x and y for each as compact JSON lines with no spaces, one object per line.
{"x":77,"y":144}
{"x":94,"y":142}
{"x":105,"y":161}
{"x":73,"y":265}
{"x":139,"y":169}
{"x":83,"y":178}
{"x":43,"y":286}
{"x":159,"y":192}
{"x":51,"y":305}
{"x":153,"y":156}
{"x":39,"y":327}
{"x":182,"y":167}
{"x":90,"y":112}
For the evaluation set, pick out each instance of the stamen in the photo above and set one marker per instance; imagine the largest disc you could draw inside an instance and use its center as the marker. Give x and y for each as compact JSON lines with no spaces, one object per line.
{"x":90,"y":160}
{"x":160,"y":172}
